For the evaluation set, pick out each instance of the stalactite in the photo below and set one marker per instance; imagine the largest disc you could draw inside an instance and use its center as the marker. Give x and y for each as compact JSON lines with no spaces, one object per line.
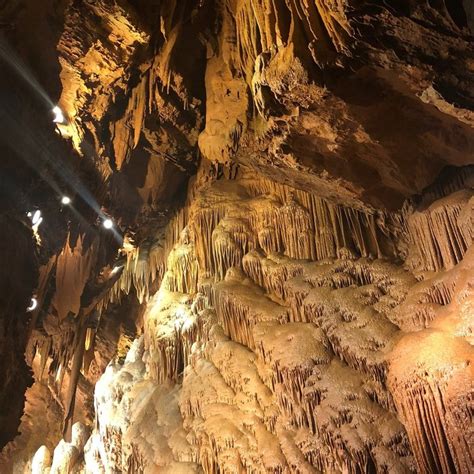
{"x":437,"y":234}
{"x":453,"y":180}
{"x":73,"y":268}
{"x":231,"y":239}
{"x":240,"y":306}
{"x":205,"y":221}
{"x":126,"y":131}
{"x":273,"y":272}
{"x":54,"y":349}
{"x":260,"y":29}
{"x":429,"y":385}
{"x":147,"y":264}
{"x":182,"y":274}
{"x":298,"y":240}
{"x":170,"y":332}
{"x":329,"y":229}
{"x":252,"y":266}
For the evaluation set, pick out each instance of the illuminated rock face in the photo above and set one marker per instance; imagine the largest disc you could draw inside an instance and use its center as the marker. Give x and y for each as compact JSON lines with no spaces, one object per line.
{"x":257,"y":356}
{"x":287,"y":364}
{"x":294,"y":289}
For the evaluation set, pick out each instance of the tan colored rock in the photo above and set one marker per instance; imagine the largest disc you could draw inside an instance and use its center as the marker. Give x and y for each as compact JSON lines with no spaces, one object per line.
{"x":294,"y":185}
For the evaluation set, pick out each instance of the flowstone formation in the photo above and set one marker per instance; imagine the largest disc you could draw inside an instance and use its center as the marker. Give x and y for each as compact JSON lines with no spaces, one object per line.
{"x":259,"y":355}
{"x":285,"y":283}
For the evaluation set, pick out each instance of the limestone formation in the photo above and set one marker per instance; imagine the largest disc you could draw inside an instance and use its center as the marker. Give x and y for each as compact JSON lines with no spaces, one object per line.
{"x":265,"y":263}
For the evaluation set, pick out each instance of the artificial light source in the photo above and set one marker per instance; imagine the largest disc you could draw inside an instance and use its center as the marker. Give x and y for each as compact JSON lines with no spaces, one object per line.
{"x":65,"y":200}
{"x":33,"y":305}
{"x":36,"y":219}
{"x":108,"y":224}
{"x":58,"y":115}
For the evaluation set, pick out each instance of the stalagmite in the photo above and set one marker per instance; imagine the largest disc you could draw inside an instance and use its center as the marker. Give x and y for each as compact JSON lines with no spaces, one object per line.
{"x":41,"y":460}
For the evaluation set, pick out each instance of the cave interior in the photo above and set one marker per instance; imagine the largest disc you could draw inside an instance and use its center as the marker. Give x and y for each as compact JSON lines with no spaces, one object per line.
{"x":236,"y":236}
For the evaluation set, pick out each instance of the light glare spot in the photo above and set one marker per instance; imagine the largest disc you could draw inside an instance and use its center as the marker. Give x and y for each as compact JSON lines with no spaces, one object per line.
{"x":108,"y":224}
{"x":36,"y":217}
{"x":33,"y":305}
{"x":58,"y":115}
{"x":66,"y":200}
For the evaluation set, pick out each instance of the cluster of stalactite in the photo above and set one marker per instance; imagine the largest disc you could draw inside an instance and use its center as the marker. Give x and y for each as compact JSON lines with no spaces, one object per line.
{"x":73,"y":292}
{"x":62,"y":282}
{"x":277,"y":97}
{"x":61,"y":347}
{"x":435,"y":409}
{"x":300,"y":390}
{"x":274,"y":358}
{"x":260,"y":25}
{"x":431,"y":371}
{"x":169,"y":335}
{"x":147,"y":264}
{"x":78,"y":75}
{"x":261,"y":59}
{"x":276,"y":219}
{"x":134,"y":102}
{"x":442,"y":233}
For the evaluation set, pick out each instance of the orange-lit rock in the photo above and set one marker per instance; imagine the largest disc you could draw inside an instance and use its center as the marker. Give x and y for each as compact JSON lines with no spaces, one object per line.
{"x":288,"y":283}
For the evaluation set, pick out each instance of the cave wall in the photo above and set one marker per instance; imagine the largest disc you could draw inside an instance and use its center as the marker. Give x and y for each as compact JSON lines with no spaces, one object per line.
{"x":15,"y":297}
{"x":257,"y":357}
{"x":260,"y":355}
{"x":292,"y":188}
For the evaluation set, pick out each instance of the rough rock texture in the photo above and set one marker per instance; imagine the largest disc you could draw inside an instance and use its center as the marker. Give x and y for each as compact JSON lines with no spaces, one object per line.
{"x":256,"y":360}
{"x":289,"y":365}
{"x":292,"y":190}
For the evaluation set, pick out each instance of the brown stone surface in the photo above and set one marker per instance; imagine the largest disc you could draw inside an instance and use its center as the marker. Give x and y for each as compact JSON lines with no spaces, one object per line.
{"x":288,"y":283}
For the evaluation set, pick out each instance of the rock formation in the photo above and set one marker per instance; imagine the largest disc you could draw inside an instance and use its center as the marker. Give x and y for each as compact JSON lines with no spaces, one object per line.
{"x":265,"y":264}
